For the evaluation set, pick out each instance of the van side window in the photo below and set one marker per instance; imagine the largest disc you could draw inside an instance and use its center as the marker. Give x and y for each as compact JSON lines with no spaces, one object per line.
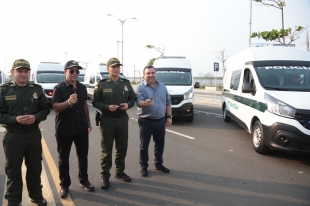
{"x":92,"y":80}
{"x":235,"y":80}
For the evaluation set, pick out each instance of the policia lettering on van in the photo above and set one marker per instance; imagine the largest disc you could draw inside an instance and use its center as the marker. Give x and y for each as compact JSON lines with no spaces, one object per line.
{"x":270,"y":98}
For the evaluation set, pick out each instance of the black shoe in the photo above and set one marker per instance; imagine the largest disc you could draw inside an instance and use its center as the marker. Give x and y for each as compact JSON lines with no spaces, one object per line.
{"x":63,"y":193}
{"x":39,"y":201}
{"x":105,"y":184}
{"x":87,"y":186}
{"x":123,"y":176}
{"x":162,"y":168}
{"x":143,"y":172}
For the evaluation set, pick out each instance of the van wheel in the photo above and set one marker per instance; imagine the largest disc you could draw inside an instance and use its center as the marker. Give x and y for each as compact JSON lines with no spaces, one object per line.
{"x":258,"y":139}
{"x":225,"y":115}
{"x":190,"y":118}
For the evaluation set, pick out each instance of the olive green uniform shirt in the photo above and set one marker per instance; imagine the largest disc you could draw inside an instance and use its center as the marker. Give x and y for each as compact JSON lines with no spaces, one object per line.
{"x":15,"y":99}
{"x":107,"y":92}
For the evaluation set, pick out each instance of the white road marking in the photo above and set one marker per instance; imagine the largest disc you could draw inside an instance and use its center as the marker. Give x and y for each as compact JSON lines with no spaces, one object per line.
{"x":171,"y":131}
{"x":207,"y":113}
{"x":180,"y":134}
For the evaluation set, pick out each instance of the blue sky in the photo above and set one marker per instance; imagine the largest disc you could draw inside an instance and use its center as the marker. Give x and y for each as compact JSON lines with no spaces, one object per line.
{"x":40,"y":30}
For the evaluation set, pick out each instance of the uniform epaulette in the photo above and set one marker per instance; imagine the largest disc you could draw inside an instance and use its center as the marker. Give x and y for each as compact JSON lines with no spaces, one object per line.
{"x":124,"y":79}
{"x":103,"y":79}
{"x":32,"y":83}
{"x":5,"y":83}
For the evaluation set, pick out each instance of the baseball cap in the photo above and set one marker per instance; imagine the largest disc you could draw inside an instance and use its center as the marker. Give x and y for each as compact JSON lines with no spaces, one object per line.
{"x":113,"y":61}
{"x":20,"y":63}
{"x":71,"y":64}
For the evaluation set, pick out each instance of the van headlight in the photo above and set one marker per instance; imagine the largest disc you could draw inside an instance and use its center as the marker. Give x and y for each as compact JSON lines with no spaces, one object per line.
{"x":189,"y":94}
{"x":278,"y":107}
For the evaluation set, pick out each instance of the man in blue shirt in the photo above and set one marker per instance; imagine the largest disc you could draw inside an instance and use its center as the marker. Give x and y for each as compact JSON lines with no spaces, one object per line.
{"x":155,"y":103}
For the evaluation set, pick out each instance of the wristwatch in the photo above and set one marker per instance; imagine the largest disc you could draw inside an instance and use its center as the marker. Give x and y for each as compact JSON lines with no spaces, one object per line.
{"x":169,"y":116}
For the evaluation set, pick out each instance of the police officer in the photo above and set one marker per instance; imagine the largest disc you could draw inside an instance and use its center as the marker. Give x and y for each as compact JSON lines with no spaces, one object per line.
{"x":113,"y":96}
{"x":23,"y":106}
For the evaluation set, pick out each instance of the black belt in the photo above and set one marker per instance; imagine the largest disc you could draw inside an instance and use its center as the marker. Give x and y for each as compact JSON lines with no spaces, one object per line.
{"x":155,"y":120}
{"x":21,"y":131}
{"x":111,"y":115}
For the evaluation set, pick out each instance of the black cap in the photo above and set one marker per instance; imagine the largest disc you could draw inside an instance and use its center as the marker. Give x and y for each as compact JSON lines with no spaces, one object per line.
{"x":71,"y":64}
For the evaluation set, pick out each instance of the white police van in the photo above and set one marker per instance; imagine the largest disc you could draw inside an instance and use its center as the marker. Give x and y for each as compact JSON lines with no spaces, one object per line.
{"x":48,"y":74}
{"x":266,"y":90}
{"x":92,"y":77}
{"x":176,"y":73}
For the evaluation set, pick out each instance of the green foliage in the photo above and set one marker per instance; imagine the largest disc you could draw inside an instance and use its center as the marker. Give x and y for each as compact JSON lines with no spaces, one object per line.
{"x":151,"y":62}
{"x":278,"y":35}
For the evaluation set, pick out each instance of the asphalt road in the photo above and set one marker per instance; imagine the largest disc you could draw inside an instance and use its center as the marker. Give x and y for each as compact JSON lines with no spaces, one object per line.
{"x":211,"y":163}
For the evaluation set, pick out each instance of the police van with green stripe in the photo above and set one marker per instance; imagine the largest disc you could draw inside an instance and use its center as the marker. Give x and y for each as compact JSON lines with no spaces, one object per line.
{"x":266,"y":90}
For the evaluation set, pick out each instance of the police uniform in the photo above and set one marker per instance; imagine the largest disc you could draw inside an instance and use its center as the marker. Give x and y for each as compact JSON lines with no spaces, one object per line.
{"x":21,"y":140}
{"x":113,"y":125}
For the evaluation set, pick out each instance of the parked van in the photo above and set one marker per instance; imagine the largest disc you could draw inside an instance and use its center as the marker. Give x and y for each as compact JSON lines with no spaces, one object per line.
{"x":92,"y":76}
{"x":81,"y":76}
{"x":48,"y":74}
{"x":176,"y":73}
{"x":267,"y":92}
{"x":2,"y":76}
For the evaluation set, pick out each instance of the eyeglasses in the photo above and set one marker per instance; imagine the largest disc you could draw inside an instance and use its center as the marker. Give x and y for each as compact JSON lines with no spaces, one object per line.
{"x":76,"y":71}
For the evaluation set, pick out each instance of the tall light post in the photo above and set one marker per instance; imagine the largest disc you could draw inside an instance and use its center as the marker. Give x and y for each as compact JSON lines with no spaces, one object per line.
{"x":122,"y":23}
{"x":118,"y":49}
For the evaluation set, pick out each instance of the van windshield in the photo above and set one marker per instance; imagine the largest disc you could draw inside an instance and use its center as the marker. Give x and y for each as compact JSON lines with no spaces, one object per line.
{"x":288,"y":78}
{"x":50,"y":76}
{"x":174,"y":77}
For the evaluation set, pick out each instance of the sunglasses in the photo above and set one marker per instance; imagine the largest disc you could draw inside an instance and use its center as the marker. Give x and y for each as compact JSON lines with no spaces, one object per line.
{"x":76,"y":71}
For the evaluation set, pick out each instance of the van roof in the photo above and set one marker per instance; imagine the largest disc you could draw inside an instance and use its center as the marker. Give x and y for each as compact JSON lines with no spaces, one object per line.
{"x":172,"y":63}
{"x":268,"y":54}
{"x":50,"y":67}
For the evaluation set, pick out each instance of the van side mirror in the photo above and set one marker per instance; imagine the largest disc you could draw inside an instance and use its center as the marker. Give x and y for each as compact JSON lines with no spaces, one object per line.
{"x":248,"y":88}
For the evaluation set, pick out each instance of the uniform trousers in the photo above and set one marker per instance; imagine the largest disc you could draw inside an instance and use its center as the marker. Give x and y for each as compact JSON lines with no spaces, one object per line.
{"x":113,"y":129}
{"x":18,"y":146}
{"x":64,"y":144}
{"x":157,"y":128}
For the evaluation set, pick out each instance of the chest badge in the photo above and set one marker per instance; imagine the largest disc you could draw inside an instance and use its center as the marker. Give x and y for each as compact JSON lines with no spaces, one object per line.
{"x":35,"y":95}
{"x":125,"y":88}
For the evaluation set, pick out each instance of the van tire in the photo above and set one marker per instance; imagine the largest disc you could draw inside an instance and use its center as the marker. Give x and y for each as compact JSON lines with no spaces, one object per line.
{"x":258,"y":139}
{"x":225,"y":115}
{"x":190,"y":118}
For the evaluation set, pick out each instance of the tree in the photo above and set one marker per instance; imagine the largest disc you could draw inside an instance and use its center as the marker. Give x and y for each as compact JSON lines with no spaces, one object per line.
{"x":220,"y":55}
{"x":160,"y":50}
{"x":282,"y":34}
{"x":210,"y":77}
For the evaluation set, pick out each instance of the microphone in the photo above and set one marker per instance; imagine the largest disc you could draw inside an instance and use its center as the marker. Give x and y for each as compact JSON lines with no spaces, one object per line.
{"x":25,"y":110}
{"x":74,"y":90}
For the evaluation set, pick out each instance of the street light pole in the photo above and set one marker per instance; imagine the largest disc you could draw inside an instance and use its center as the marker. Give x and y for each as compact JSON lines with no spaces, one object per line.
{"x":117,"y":49}
{"x":122,"y":23}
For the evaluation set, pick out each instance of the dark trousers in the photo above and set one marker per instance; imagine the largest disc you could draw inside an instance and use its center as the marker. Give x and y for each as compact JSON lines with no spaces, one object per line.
{"x":64,"y":143}
{"x":17,"y":147}
{"x":157,"y":128}
{"x":113,"y":129}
